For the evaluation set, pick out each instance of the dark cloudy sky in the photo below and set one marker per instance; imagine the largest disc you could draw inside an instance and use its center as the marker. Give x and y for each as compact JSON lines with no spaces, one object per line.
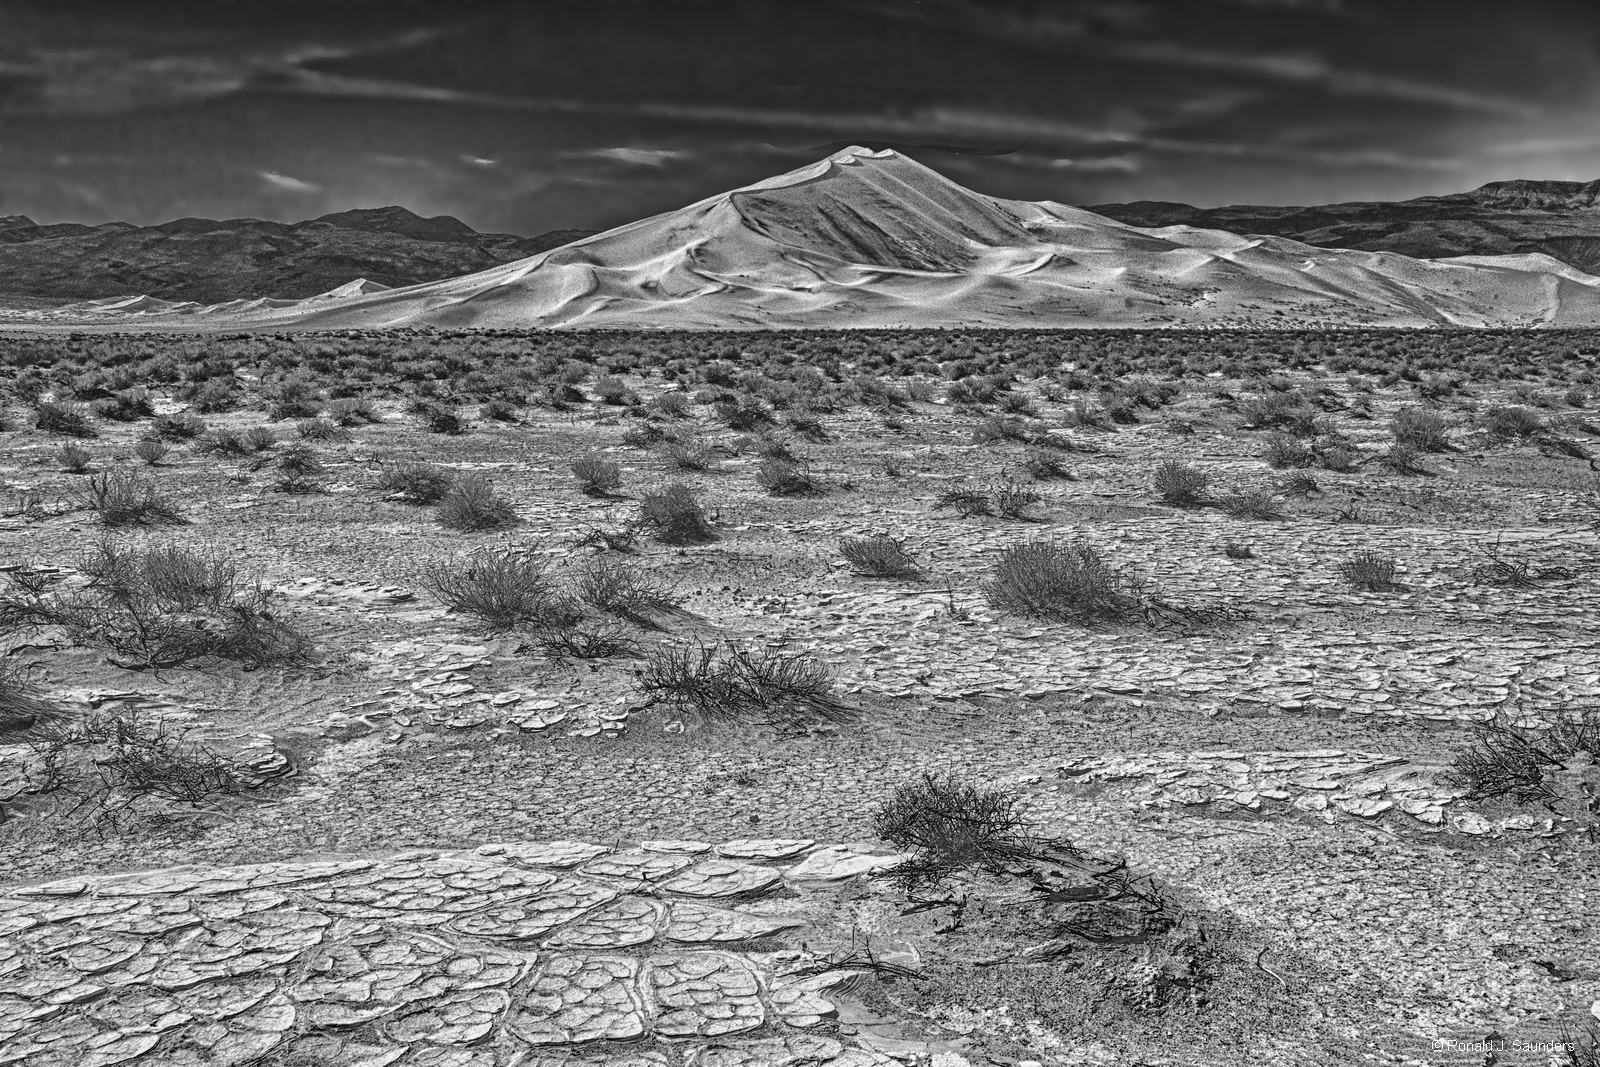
{"x":526,"y":117}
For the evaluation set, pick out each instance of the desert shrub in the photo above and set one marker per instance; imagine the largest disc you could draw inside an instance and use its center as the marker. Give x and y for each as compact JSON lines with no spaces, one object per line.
{"x":872,"y":392}
{"x":675,"y":515}
{"x":212,"y":395}
{"x":731,"y":682}
{"x":1043,"y":465}
{"x":67,"y":417}
{"x":646,"y":434}
{"x":921,"y":391}
{"x":498,"y":410}
{"x":168,"y":606}
{"x":1017,"y":404}
{"x":1511,"y":422}
{"x":1299,"y":484}
{"x":1275,"y":410}
{"x":948,"y":825}
{"x":1576,"y":397}
{"x":1250,"y":504}
{"x":501,"y":589}
{"x":1061,"y":581}
{"x":1080,"y":415}
{"x":1012,"y":500}
{"x":776,"y":448}
{"x":1503,"y":569}
{"x":1370,"y":571}
{"x":1421,"y":429}
{"x":746,"y":413}
{"x":1437,"y":386}
{"x":670,"y":405}
{"x":298,"y":468}
{"x":624,"y":589}
{"x":438,"y":418}
{"x":1285,"y":452}
{"x":471,"y":505}
{"x":105,"y":767}
{"x":609,"y":389}
{"x":597,"y":476}
{"x":119,"y":498}
{"x":996,"y":428}
{"x":353,"y":411}
{"x":127,"y":405}
{"x":180,"y":427}
{"x":320,"y":429}
{"x":233,"y":443}
{"x":878,"y":556}
{"x":152,"y":451}
{"x":1400,"y":459}
{"x":970,"y":391}
{"x":259,"y":439}
{"x":965,"y":501}
{"x":687,"y":455}
{"x":1234,"y":550}
{"x":74,"y":458}
{"x":413,"y":481}
{"x":783,"y":478}
{"x":294,"y":398}
{"x":1528,"y":764}
{"x":1180,"y":484}
{"x":808,"y":427}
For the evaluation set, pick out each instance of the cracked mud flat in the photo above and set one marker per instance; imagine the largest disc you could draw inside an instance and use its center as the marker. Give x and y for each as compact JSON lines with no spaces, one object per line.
{"x":610,"y":885}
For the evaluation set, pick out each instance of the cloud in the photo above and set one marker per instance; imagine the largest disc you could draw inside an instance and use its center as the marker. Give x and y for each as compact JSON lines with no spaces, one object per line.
{"x":285,"y":182}
{"x":1314,"y":71}
{"x":637,"y":157}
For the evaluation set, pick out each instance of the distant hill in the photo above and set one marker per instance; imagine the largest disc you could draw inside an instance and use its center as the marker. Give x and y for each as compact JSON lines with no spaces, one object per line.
{"x":213,"y":261}
{"x":1559,"y":219}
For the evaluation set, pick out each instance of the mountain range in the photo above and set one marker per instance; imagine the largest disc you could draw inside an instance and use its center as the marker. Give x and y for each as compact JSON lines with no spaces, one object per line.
{"x":209,"y":261}
{"x":1558,"y":219}
{"x":868,"y":238}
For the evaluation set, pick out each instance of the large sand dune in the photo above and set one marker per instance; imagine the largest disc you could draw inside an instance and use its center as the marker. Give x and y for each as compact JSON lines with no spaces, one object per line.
{"x":875,"y":239}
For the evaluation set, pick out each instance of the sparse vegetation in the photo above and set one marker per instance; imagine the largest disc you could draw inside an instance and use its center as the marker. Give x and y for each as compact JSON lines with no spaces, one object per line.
{"x":413,"y":481}
{"x":119,"y":498}
{"x":66,"y":417}
{"x":1370,"y":571}
{"x":675,"y":515}
{"x":597,"y":476}
{"x":1063,"y":581}
{"x":878,"y":556}
{"x":731,"y":682}
{"x":471,"y":505}
{"x":1179,"y":484}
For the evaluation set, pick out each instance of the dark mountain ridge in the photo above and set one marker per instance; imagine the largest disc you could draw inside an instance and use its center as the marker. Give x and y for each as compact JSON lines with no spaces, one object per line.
{"x":1558,"y":218}
{"x":211,"y":260}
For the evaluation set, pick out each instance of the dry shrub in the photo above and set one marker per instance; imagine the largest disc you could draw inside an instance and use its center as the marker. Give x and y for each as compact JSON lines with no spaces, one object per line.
{"x":1180,"y":484}
{"x":471,"y":505}
{"x":949,"y":825}
{"x":730,"y":682}
{"x":500,"y":589}
{"x":413,"y":481}
{"x":119,"y":498}
{"x":597,"y":476}
{"x":675,"y":515}
{"x":878,"y":556}
{"x":1063,"y":582}
{"x":1370,"y":571}
{"x":67,"y":417}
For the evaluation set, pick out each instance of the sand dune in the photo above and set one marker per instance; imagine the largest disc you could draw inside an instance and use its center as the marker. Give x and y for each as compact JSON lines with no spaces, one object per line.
{"x":875,"y":239}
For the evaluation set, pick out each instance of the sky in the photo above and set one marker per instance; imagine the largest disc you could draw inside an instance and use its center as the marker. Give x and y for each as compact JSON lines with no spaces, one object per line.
{"x":523,"y":118}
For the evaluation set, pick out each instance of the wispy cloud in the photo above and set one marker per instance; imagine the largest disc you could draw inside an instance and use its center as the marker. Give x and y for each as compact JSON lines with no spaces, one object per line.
{"x":1311,"y":70}
{"x":289,"y":184}
{"x":637,"y":157}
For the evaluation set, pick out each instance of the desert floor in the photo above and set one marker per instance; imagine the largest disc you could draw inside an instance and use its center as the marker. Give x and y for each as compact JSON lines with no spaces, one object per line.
{"x":1282,"y":774}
